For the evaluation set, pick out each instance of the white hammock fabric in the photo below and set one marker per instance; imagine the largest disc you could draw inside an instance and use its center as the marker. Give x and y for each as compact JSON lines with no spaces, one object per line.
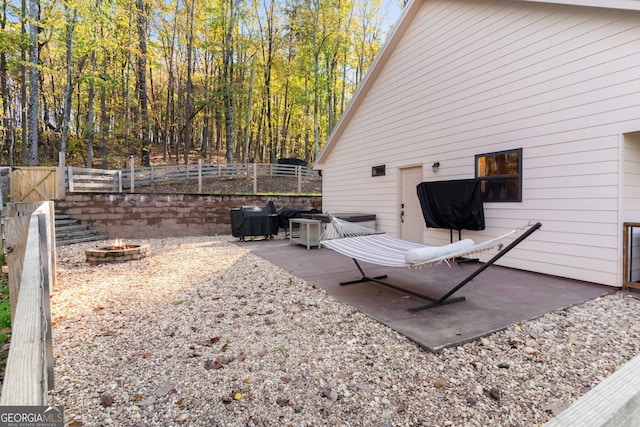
{"x":360,"y":243}
{"x":339,"y":228}
{"x":381,"y":249}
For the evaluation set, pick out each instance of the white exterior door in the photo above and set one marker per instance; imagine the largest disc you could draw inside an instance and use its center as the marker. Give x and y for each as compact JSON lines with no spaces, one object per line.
{"x":411,"y":219}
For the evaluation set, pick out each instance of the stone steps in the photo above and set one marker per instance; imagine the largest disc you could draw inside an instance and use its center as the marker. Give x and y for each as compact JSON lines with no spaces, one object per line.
{"x":69,"y":230}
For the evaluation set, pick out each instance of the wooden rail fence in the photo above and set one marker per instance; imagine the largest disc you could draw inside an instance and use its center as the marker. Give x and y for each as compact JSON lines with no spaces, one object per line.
{"x":99,"y":180}
{"x":30,"y":246}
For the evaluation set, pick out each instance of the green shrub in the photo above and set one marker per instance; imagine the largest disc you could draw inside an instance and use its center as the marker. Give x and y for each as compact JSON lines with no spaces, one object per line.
{"x":5,"y":305}
{"x":5,"y":314}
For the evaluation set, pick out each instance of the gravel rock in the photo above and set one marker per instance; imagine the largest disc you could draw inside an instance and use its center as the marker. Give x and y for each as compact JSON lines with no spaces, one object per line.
{"x":204,"y":333}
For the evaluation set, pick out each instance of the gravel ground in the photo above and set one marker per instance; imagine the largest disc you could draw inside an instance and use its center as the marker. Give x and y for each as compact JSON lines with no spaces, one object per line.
{"x":204,"y":333}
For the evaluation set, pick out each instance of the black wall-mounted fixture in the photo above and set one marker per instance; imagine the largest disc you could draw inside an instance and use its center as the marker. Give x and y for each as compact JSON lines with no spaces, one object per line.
{"x":435,"y":166}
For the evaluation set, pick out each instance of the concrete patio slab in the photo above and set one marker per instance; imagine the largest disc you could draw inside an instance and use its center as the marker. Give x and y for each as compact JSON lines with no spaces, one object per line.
{"x":495,"y":299}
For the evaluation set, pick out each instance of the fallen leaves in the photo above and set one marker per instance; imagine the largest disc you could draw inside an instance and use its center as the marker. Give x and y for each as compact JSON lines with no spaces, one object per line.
{"x":440,"y":383}
{"x":216,"y":364}
{"x":208,"y":342}
{"x":106,"y":400}
{"x":493,"y":393}
{"x":282,"y":402}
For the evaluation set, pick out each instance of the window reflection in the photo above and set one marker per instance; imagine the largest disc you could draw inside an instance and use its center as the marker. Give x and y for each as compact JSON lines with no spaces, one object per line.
{"x":500,"y":175}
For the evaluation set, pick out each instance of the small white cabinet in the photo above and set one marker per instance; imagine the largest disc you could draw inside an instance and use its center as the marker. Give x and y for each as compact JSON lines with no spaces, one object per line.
{"x":310,"y":231}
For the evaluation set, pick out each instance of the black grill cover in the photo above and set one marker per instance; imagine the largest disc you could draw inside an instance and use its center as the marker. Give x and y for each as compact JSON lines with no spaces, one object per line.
{"x":454,"y":204}
{"x":254,"y":221}
{"x":293,"y":212}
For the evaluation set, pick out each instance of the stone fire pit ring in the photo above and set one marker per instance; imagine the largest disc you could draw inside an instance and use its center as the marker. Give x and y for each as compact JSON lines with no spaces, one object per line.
{"x":121,"y":253}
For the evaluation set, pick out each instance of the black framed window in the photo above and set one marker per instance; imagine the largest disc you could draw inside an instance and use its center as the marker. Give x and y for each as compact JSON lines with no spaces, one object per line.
{"x":500,"y":175}
{"x":378,"y":170}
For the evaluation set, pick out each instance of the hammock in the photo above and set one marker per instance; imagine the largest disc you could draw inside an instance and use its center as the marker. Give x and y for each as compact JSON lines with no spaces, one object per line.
{"x":381,"y":249}
{"x":339,"y":228}
{"x":384,"y":250}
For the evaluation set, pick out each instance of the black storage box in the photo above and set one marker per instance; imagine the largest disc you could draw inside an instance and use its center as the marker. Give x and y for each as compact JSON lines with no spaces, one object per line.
{"x":294,"y":212}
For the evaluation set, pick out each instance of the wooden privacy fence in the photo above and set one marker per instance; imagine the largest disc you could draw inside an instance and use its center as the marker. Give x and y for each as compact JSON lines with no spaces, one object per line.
{"x":98,"y":180}
{"x":30,"y":246}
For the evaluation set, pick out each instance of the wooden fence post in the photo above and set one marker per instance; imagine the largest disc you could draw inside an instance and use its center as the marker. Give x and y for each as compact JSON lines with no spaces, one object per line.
{"x":299,"y":174}
{"x":255,"y":178}
{"x":61,"y":173}
{"x":70,"y":177}
{"x":199,"y":176}
{"x":132,"y":165}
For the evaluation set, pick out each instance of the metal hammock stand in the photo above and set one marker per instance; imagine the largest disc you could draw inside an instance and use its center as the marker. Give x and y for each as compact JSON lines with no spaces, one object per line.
{"x":357,"y":242}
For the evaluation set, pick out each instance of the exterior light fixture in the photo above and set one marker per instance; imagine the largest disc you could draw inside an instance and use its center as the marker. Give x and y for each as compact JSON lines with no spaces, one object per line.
{"x":435,"y":166}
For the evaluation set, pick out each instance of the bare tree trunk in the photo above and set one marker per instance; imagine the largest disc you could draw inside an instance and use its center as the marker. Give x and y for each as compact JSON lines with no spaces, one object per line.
{"x":6,"y":121}
{"x":317,"y":46}
{"x":169,"y":118}
{"x":227,"y":93}
{"x":188,"y":125}
{"x":286,"y":111}
{"x":127,"y":73}
{"x":66,"y":109}
{"x":34,"y":17}
{"x":90,"y":109}
{"x":267,"y":82}
{"x":179,"y":118}
{"x":142,"y":83}
{"x":207,"y":132}
{"x":247,"y":127}
{"x":23,"y":91}
{"x":104,"y":118}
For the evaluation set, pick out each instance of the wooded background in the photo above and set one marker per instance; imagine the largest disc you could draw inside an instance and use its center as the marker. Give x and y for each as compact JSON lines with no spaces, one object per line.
{"x":245,"y":80}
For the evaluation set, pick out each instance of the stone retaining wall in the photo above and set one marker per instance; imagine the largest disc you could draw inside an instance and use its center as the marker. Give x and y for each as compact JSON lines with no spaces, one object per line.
{"x":127,"y":215}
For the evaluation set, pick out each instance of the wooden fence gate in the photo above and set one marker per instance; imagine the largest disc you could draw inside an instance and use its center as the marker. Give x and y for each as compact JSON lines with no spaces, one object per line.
{"x":34,"y":184}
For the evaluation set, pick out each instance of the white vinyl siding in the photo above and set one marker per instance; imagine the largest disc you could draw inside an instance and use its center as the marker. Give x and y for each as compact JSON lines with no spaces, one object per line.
{"x":470,"y":77}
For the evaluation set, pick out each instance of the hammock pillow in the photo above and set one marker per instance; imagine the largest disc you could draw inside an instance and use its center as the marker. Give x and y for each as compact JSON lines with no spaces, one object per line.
{"x":427,"y":253}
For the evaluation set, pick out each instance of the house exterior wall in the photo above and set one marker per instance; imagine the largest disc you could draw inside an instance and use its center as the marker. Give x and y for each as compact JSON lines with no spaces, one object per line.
{"x":471,"y":77}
